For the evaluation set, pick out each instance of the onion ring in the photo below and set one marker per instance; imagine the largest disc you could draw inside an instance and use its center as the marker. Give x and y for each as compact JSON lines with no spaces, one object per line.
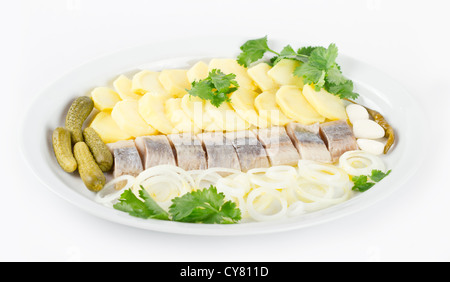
{"x":359,"y":162}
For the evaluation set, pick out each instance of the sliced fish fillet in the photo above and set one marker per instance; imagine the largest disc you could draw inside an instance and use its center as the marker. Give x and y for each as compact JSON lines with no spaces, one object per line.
{"x":189,"y":151}
{"x":249,"y":149}
{"x":126,"y":158}
{"x":308,"y":142}
{"x":155,"y":150}
{"x":338,"y":137}
{"x":278,"y":145}
{"x":219,"y":153}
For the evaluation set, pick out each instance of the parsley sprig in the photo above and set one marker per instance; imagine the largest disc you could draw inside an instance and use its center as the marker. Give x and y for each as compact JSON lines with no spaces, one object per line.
{"x":201,"y":206}
{"x":361,"y":183}
{"x":318,"y":65}
{"x":215,"y":88}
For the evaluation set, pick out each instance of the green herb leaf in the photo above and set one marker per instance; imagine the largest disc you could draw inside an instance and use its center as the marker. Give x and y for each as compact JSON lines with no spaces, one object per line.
{"x":306,"y":50}
{"x":318,"y":65}
{"x":215,"y":88}
{"x":361,"y":184}
{"x":253,"y":50}
{"x":378,"y":175}
{"x":324,"y":58}
{"x":148,"y":208}
{"x":204,"y":206}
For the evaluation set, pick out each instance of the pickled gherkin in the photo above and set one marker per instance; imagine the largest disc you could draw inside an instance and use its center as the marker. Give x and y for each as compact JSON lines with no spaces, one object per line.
{"x":62,"y":146}
{"x":90,"y":173}
{"x":99,"y":150}
{"x":78,"y":112}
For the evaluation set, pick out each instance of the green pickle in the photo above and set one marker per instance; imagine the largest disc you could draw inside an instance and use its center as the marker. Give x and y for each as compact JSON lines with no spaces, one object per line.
{"x":99,"y":150}
{"x":90,"y":172}
{"x":62,"y":146}
{"x":78,"y":112}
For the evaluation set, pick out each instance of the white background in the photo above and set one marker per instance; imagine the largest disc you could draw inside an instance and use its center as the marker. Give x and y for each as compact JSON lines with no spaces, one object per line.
{"x":408,"y":40}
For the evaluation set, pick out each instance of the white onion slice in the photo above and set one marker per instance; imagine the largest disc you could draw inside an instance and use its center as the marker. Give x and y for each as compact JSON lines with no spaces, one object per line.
{"x":258,"y":216}
{"x":359,"y":162}
{"x":277,"y":177}
{"x":109,"y":195}
{"x":320,"y":172}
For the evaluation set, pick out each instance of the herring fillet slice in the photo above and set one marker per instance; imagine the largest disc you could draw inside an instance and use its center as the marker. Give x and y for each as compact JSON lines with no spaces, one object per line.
{"x":127,"y":160}
{"x":189,"y":151}
{"x":278,"y":145}
{"x":155,"y":150}
{"x":308,"y":142}
{"x":219,"y":153}
{"x":338,"y":137}
{"x":249,"y":149}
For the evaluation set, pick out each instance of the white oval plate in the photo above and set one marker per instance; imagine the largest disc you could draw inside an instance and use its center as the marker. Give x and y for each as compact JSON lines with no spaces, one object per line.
{"x":48,"y":112}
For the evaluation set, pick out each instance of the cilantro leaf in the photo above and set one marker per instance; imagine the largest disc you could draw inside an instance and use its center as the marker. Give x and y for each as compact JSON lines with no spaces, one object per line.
{"x":323,"y":58}
{"x":215,"y":87}
{"x":361,"y":184}
{"x":156,"y":210}
{"x":222,"y":82}
{"x":306,"y":50}
{"x":343,"y":90}
{"x":309,"y":73}
{"x":148,"y":208}
{"x":253,"y":50}
{"x":204,"y":206}
{"x":378,"y":175}
{"x":318,"y":65}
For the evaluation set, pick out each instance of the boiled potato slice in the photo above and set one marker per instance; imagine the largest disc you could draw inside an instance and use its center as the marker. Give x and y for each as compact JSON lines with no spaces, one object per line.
{"x":194,"y":107}
{"x":259,"y":74}
{"x":243,"y":102}
{"x":228,"y":66}
{"x":126,"y":115}
{"x":151,"y":108}
{"x":283,"y":73}
{"x":198,"y":72}
{"x":175,"y":82}
{"x":123,"y":87}
{"x":107,"y":128}
{"x":180,"y":120}
{"x":104,"y":98}
{"x":147,"y":81}
{"x":268,"y":109}
{"x":294,"y":105}
{"x":326,"y":104}
{"x":225,"y":118}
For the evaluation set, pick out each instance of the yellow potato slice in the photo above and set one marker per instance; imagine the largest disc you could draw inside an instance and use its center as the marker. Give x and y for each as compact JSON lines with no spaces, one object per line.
{"x":228,"y":66}
{"x":123,"y":87}
{"x":126,"y":115}
{"x":194,"y":107}
{"x":225,"y":118}
{"x":326,"y":104}
{"x":107,"y":128}
{"x":282,"y":73}
{"x":175,"y":82}
{"x":268,"y":109}
{"x":104,"y":98}
{"x":151,"y":109}
{"x":180,"y":120}
{"x":294,"y":105}
{"x":259,"y":74}
{"x":243,"y":102}
{"x":147,"y":81}
{"x":198,"y":72}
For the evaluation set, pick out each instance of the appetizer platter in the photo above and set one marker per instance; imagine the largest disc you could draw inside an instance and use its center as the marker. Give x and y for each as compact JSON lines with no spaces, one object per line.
{"x":273,"y":136}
